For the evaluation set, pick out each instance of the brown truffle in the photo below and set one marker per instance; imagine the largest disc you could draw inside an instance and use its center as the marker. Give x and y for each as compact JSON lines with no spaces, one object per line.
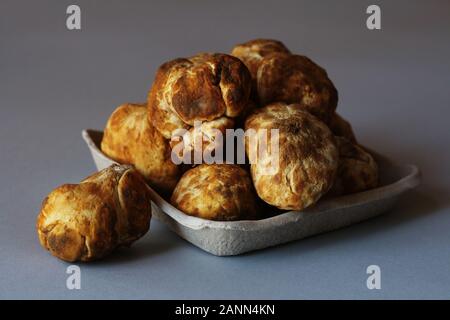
{"x":86,"y":221}
{"x":130,"y":139}
{"x":357,"y":169}
{"x":296,"y":79}
{"x":342,"y":128}
{"x":307,"y":156}
{"x":201,"y":88}
{"x":252,"y":52}
{"x":216,"y":192}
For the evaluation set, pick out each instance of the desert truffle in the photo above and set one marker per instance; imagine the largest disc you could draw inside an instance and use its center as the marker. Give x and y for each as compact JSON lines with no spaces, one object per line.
{"x":357,"y":170}
{"x":216,"y":192}
{"x":204,"y":87}
{"x":86,"y":221}
{"x":296,"y":79}
{"x":307,"y":156}
{"x":253,"y":52}
{"x":130,"y":139}
{"x":279,"y":76}
{"x":342,"y":128}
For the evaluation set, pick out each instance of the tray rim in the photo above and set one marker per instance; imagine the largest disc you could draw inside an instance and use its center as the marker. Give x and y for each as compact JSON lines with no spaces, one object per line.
{"x":407,"y":182}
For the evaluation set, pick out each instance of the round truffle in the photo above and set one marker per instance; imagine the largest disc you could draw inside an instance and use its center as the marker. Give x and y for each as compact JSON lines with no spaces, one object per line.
{"x":130,"y":139}
{"x":204,"y":87}
{"x":296,"y":79}
{"x":216,"y":192}
{"x":252,"y":52}
{"x":357,"y":169}
{"x":86,"y":221}
{"x":303,"y":168}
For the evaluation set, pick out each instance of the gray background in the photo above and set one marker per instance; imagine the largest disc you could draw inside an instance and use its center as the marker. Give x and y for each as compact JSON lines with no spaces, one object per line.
{"x":393,"y":86}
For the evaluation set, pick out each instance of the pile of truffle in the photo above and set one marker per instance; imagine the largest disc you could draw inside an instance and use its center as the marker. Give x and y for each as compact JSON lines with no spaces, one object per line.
{"x":260,"y":85}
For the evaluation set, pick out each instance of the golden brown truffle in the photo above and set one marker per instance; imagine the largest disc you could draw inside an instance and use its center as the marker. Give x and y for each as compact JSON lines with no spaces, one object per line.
{"x":130,"y":139}
{"x":357,"y":169}
{"x":296,"y":79}
{"x":86,"y":221}
{"x":279,"y":76}
{"x":204,"y":87}
{"x":342,"y":128}
{"x":216,"y":192}
{"x":252,"y":52}
{"x":307,"y":156}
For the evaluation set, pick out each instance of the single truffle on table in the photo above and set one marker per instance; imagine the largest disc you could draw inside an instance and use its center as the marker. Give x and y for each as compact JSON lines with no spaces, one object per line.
{"x":307,"y":156}
{"x":221,"y":192}
{"x":87,"y":221}
{"x":130,"y":139}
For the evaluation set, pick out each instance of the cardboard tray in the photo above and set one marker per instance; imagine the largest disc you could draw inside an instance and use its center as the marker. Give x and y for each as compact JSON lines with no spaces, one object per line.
{"x":237,"y":237}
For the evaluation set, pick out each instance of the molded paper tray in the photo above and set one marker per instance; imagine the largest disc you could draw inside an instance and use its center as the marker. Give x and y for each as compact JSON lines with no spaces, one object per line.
{"x":236,"y":237}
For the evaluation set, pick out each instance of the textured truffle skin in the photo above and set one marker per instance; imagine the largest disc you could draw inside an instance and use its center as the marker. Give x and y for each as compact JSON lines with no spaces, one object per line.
{"x":201,"y":88}
{"x":130,"y":139}
{"x":216,"y":192}
{"x":296,"y":79}
{"x":279,"y":76}
{"x":252,"y":52}
{"x":357,"y":169}
{"x":308,"y":157}
{"x":86,"y":221}
{"x":342,"y":128}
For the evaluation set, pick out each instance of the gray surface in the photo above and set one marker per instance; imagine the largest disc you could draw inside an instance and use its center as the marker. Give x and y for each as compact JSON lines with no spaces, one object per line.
{"x":393,"y":85}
